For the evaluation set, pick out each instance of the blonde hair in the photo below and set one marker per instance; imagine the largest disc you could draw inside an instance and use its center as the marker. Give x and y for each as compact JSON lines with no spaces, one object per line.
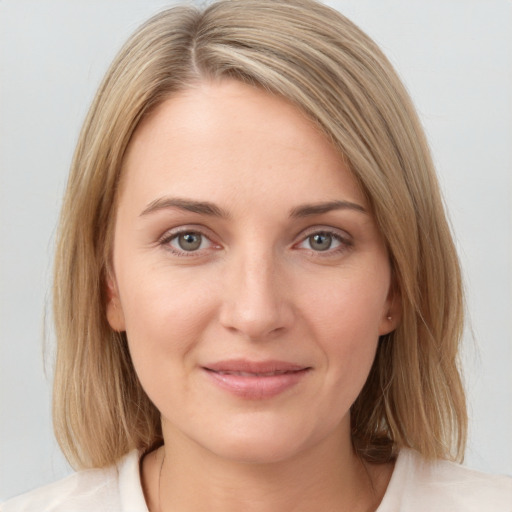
{"x":320,"y":61}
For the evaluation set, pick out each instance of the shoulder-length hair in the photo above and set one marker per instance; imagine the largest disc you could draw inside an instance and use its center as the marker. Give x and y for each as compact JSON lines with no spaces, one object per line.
{"x":316,"y":58}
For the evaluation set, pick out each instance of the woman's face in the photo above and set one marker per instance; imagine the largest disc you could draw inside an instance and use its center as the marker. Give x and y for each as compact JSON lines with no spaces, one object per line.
{"x":248,"y":274}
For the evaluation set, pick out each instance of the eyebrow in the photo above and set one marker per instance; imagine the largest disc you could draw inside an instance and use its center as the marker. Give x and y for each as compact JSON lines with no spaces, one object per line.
{"x":207,"y":208}
{"x":308,"y":210}
{"x":201,"y":207}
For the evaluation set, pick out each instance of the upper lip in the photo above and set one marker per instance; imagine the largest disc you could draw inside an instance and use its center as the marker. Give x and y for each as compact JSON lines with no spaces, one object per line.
{"x":244,"y":366}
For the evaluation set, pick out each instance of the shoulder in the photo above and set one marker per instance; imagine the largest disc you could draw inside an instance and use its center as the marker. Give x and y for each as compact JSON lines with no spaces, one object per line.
{"x":92,"y":486}
{"x":116,"y":488}
{"x":443,"y":486}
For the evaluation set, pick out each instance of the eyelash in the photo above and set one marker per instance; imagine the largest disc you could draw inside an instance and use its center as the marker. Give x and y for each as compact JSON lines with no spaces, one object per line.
{"x":345,"y":242}
{"x":168,"y":237}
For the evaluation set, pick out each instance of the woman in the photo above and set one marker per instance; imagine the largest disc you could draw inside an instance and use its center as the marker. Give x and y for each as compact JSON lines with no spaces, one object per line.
{"x":257,"y":298}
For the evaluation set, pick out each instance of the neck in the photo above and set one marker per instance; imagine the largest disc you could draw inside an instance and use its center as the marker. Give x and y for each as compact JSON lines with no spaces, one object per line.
{"x":182,"y":476}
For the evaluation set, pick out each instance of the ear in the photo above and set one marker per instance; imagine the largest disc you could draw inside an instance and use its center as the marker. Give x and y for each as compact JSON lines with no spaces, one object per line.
{"x":392,"y":312}
{"x":115,"y":315}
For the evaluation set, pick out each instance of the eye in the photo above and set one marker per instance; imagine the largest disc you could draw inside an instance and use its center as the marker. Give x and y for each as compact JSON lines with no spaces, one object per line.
{"x":321,"y":241}
{"x":324,"y":241}
{"x":186,"y":241}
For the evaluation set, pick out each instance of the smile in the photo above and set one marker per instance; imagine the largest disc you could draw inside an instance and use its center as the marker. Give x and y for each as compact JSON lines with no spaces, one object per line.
{"x":255,"y":380}
{"x":259,"y":374}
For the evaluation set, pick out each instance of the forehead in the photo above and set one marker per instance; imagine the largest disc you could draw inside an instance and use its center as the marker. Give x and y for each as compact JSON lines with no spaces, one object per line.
{"x":230,"y":138}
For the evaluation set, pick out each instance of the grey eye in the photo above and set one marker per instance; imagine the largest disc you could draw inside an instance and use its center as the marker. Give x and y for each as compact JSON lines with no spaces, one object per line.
{"x":189,"y":241}
{"x":320,"y":241}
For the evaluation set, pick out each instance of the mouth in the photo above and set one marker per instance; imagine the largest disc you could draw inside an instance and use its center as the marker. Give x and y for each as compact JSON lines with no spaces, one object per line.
{"x":254,"y":374}
{"x":255,"y":380}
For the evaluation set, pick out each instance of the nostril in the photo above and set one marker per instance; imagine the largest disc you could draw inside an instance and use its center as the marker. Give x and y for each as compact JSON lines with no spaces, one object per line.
{"x":255,"y":322}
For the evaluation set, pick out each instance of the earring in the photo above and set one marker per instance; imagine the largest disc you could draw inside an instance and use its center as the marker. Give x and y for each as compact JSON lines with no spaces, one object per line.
{"x":389,"y":317}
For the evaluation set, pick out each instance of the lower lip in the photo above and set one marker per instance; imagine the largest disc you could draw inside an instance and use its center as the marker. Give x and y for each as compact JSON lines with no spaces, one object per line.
{"x":257,"y":387}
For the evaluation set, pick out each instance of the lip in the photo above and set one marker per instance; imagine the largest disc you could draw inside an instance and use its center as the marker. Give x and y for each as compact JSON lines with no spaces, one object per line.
{"x":255,"y":380}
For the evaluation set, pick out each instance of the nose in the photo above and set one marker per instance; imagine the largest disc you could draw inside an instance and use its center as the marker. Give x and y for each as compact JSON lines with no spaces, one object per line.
{"x":256,"y":299}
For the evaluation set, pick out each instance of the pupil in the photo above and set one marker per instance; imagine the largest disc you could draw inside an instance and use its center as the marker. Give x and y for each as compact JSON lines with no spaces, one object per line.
{"x":189,"y":241}
{"x":321,"y":241}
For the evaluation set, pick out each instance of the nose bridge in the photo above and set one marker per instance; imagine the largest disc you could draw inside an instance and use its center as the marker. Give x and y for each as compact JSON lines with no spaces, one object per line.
{"x":255,"y":303}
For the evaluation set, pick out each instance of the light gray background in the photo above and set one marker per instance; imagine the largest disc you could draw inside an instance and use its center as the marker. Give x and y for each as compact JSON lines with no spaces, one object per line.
{"x":454,"y":56}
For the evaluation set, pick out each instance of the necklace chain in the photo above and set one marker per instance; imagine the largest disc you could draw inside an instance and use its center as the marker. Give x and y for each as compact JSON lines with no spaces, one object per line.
{"x":160,"y":482}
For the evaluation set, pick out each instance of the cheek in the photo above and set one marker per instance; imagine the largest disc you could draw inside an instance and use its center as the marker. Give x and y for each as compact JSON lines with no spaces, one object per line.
{"x":350,"y":308}
{"x":162,"y":301}
{"x":165,"y":317}
{"x":346,"y":323}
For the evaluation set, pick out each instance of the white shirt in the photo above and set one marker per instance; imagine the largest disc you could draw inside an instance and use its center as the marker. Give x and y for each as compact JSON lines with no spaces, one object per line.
{"x":415,"y":486}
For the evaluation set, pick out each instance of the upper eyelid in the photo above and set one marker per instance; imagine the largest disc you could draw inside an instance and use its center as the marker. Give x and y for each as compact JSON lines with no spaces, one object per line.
{"x":187,"y":228}
{"x":341,"y":233}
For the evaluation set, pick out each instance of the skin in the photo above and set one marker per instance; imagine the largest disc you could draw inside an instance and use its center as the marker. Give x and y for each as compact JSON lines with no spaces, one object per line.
{"x":257,"y":288}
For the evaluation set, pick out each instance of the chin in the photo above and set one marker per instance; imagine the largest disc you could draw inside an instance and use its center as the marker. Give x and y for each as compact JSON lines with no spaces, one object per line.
{"x":257,"y":451}
{"x":262,"y":443}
